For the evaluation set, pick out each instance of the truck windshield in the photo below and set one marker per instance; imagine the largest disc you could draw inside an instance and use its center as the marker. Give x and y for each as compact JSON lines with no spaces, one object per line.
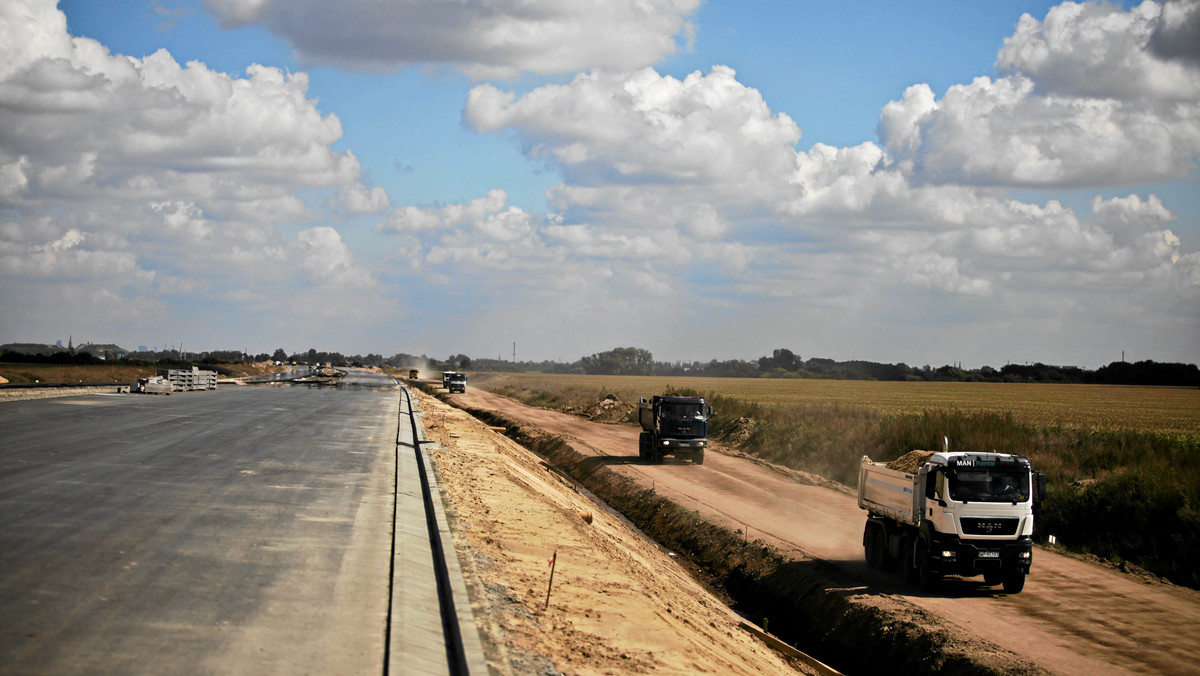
{"x":989,"y":486}
{"x":686,"y":411}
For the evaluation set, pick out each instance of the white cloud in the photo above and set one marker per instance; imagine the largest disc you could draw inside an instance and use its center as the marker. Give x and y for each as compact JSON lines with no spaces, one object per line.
{"x":153,"y":179}
{"x":606,"y":129}
{"x":440,"y":218}
{"x":698,"y":178}
{"x":1177,"y":34}
{"x":359,"y":199}
{"x":933,"y":270}
{"x":496,"y":38}
{"x":1130,"y":216}
{"x":1099,"y":51}
{"x":1084,"y":101}
{"x":322,"y":254}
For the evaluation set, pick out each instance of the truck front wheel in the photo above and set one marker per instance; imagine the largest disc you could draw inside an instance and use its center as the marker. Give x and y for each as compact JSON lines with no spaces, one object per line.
{"x":1014,"y":581}
{"x":698,"y":456}
{"x":927,"y":579}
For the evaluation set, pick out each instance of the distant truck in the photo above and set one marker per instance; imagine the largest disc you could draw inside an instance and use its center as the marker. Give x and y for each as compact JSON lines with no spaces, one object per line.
{"x":457,"y":383}
{"x":953,"y":514}
{"x":675,"y":426}
{"x":446,"y":378}
{"x":414,"y":374}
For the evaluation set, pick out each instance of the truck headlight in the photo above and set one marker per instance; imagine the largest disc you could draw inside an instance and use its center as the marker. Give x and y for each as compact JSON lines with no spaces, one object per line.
{"x":666,"y":443}
{"x":1026,"y":555}
{"x":948,"y":554}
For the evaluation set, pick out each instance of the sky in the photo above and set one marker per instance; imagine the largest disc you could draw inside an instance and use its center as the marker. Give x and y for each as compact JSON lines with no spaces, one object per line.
{"x":929,"y":182}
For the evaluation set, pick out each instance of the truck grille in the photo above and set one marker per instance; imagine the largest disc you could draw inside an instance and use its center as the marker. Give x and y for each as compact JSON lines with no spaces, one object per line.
{"x":978,"y":526}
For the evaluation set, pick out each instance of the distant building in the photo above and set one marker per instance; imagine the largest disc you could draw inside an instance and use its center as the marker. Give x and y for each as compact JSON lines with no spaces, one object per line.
{"x":32,"y":348}
{"x":99,"y":351}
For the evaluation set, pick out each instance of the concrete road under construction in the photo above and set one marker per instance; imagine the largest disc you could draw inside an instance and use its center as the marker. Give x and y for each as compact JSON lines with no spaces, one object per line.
{"x":244,"y":530}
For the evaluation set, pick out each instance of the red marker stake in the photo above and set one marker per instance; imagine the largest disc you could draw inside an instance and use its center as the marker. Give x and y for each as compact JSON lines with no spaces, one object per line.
{"x":553,"y":560}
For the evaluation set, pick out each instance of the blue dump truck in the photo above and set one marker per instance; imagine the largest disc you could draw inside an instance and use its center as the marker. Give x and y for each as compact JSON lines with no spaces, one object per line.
{"x":675,"y":426}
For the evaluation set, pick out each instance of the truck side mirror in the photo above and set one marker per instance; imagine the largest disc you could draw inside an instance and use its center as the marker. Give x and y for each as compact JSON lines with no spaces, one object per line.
{"x":1041,"y":487}
{"x":710,"y":413}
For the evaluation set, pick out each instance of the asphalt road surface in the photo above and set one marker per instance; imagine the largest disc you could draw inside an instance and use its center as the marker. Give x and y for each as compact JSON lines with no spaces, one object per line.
{"x":247,"y":530}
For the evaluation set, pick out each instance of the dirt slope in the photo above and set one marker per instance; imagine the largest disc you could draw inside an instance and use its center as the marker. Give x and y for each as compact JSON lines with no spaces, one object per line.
{"x":1073,"y":617}
{"x":619,"y":603}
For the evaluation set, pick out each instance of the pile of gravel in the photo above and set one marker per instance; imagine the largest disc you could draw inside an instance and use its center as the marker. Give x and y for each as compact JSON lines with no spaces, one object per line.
{"x":910,"y":462}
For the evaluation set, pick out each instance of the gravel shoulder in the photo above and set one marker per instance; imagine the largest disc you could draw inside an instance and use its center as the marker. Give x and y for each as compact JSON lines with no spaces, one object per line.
{"x":619,"y":603}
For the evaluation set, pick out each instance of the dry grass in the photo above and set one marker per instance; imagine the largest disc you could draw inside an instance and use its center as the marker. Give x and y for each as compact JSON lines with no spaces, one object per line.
{"x":1111,"y":407}
{"x":70,"y":373}
{"x":1123,"y":461}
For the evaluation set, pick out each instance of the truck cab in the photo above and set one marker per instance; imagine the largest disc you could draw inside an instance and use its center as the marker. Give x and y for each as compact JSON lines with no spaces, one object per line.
{"x":673,"y":426}
{"x":457,"y":383}
{"x":959,"y":513}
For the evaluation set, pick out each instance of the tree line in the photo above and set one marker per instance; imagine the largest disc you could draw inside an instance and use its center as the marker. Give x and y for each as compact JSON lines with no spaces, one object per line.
{"x":781,"y":363}
{"x":784,"y":363}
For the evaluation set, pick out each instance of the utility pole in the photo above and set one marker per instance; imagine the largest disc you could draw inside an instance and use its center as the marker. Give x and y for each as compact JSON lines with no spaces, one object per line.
{"x":514,"y":352}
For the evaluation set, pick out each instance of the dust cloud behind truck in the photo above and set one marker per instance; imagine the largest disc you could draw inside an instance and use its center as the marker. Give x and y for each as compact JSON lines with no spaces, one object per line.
{"x":934,"y":514}
{"x":675,"y":426}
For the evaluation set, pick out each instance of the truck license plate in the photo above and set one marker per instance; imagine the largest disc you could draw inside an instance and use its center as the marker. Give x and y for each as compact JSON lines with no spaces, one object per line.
{"x":989,"y":555}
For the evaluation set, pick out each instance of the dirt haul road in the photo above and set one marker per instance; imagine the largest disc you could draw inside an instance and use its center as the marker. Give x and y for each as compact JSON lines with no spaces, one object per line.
{"x":1073,"y":617}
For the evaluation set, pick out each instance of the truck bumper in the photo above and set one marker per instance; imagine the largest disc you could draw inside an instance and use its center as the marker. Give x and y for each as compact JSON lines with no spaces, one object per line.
{"x":682,"y":444}
{"x":952,"y":556}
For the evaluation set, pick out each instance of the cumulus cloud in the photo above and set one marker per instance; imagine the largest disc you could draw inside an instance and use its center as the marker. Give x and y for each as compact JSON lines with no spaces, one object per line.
{"x":646,"y":128}
{"x":497,"y":38}
{"x":444,"y":217}
{"x":152,"y":178}
{"x":359,"y":199}
{"x":1177,"y":33}
{"x":691,"y":174}
{"x":321,"y":253}
{"x":1084,"y":100}
{"x":1098,"y":51}
{"x":1125,"y":218}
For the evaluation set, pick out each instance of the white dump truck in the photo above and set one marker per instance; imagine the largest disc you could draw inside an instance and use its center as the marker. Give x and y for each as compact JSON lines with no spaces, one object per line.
{"x":946,"y":513}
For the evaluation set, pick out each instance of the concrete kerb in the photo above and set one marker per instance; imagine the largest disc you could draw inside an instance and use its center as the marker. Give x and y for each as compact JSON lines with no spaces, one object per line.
{"x":472,"y":644}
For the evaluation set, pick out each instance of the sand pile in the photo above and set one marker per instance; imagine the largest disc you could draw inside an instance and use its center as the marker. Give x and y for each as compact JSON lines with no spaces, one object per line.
{"x":910,"y":462}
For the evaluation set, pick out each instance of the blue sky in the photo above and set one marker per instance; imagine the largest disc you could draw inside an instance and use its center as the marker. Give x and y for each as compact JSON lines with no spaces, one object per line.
{"x":925,"y":182}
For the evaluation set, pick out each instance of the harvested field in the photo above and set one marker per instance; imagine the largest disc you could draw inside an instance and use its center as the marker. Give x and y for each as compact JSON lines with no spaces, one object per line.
{"x":1111,"y":407}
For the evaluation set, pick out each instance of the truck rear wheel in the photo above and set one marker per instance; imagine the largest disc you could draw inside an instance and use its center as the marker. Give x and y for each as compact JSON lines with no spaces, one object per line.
{"x":873,"y":546}
{"x":906,"y":559}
